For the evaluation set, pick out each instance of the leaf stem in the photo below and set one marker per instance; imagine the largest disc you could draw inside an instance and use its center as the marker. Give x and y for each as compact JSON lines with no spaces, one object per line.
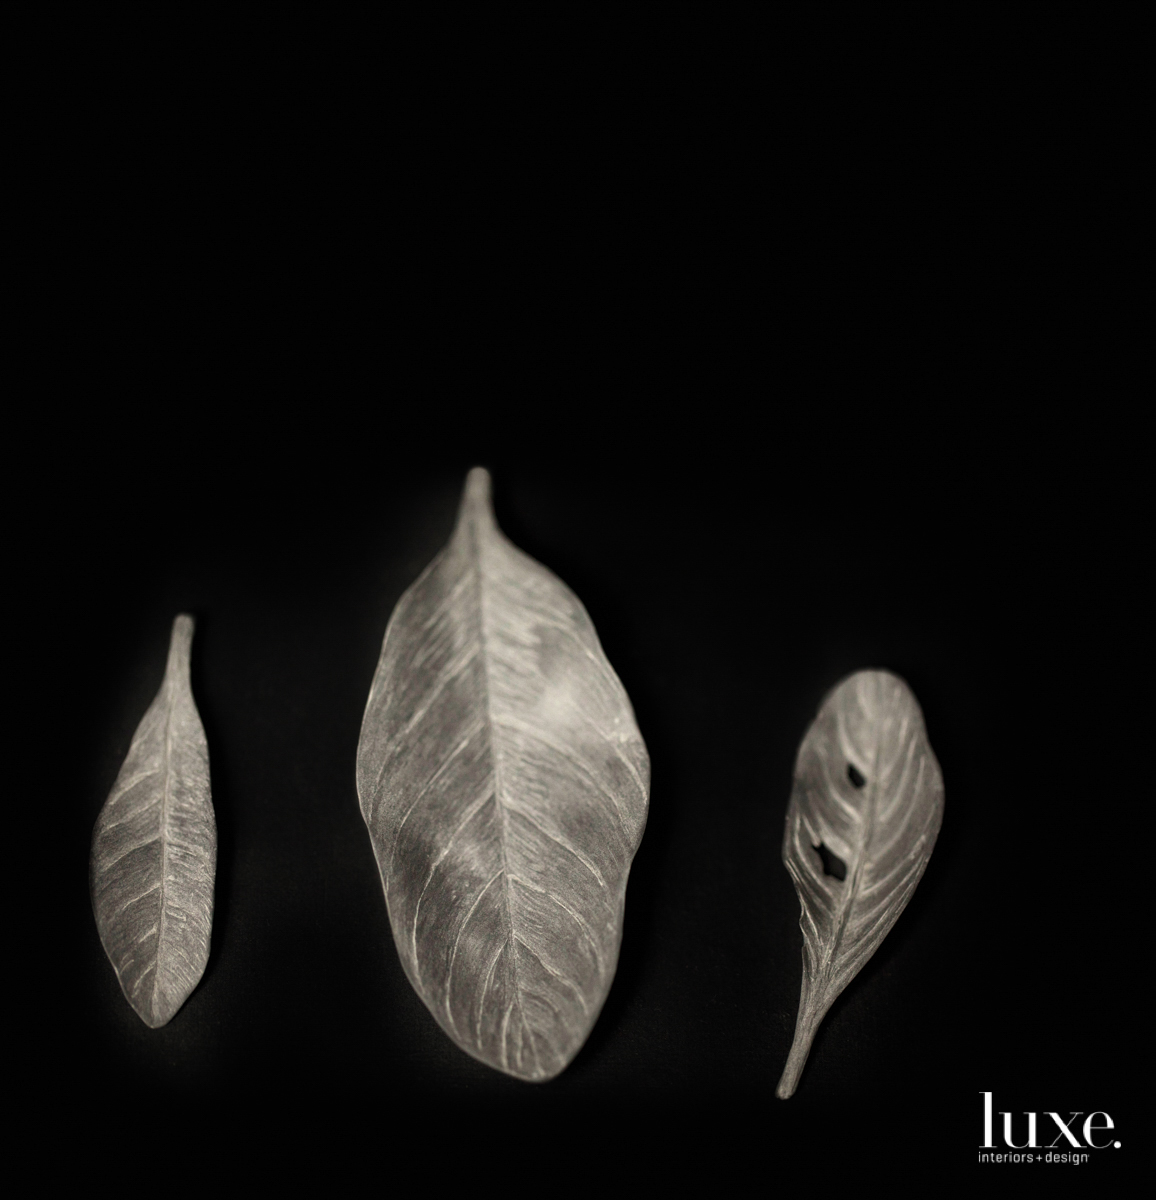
{"x":806,"y":1025}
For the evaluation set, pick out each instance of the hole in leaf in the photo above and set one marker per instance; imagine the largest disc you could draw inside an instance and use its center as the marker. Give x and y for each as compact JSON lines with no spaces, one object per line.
{"x":832,"y":863}
{"x":853,"y":775}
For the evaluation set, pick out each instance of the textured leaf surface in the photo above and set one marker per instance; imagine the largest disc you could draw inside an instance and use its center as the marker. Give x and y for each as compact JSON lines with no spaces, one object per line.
{"x":154,"y":850}
{"x":866,"y":805}
{"x":504,"y":784}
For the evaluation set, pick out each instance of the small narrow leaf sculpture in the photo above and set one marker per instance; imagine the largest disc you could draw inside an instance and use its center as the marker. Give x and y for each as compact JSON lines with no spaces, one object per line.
{"x":154,"y":850}
{"x":505,"y":785}
{"x":865,"y":810}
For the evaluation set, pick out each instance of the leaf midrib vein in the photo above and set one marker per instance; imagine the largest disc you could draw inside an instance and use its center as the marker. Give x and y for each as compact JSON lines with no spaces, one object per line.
{"x":168,"y":750}
{"x":851,"y":894}
{"x":496,"y":759}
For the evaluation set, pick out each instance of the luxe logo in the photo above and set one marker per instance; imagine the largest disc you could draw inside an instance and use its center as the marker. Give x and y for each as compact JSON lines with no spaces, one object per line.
{"x":1041,"y":1127}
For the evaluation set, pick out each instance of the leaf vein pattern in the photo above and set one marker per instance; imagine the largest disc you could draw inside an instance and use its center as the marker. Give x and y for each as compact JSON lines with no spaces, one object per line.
{"x":625,"y":761}
{"x":106,"y":867}
{"x":415,"y":720}
{"x":582,"y":925}
{"x":505,"y":1033}
{"x":457,"y":940}
{"x":900,"y":829}
{"x":452,"y":671}
{"x":496,"y":762}
{"x":170,"y":685}
{"x":444,"y":605}
{"x":530,"y":819}
{"x":542,"y":995}
{"x":564,"y":752}
{"x":850,"y":896}
{"x":888,"y":810}
{"x":485,"y":989}
{"x":143,"y":974}
{"x":470,"y":813}
{"x":127,"y":787}
{"x":604,"y":668}
{"x":135,"y":899}
{"x":425,"y":787}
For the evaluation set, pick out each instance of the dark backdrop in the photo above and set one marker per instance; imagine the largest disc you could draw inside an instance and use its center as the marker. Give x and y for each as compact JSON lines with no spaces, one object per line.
{"x":767,"y":442}
{"x":737,"y":560}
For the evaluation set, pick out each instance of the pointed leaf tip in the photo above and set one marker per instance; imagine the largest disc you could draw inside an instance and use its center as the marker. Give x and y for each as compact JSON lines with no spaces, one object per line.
{"x":180,"y":644}
{"x":478,"y":485}
{"x":477,"y":504}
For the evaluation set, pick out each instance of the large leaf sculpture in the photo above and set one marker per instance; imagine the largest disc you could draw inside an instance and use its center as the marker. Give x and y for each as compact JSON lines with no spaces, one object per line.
{"x":865,"y":810}
{"x":154,"y":850}
{"x":504,"y":784}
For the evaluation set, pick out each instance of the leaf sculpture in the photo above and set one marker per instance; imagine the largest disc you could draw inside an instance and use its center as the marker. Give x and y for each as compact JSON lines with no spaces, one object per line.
{"x":504,"y":784}
{"x":154,"y":850}
{"x":865,"y":810}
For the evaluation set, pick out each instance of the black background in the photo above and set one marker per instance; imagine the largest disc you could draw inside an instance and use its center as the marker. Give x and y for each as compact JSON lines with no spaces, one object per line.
{"x":769,"y":431}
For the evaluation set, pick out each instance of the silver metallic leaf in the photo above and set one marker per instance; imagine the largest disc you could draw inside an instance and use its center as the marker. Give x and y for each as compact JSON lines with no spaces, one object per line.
{"x":154,"y":850}
{"x":505,"y":785}
{"x":865,"y":810}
